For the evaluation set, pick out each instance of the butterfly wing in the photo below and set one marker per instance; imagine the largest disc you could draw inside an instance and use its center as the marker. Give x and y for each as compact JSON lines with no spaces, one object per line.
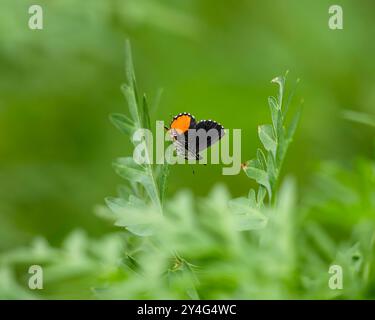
{"x":181,"y":124}
{"x":190,"y":137}
{"x":184,"y":149}
{"x":207,"y":133}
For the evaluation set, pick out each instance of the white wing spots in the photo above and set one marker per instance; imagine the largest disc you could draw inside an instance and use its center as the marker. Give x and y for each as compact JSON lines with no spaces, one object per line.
{"x":183,"y":114}
{"x":190,"y":115}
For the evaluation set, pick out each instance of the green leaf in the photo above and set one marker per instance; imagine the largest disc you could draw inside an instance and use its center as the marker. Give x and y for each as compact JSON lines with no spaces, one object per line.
{"x":272,"y":166}
{"x":266,"y":136}
{"x":117,"y":205}
{"x":239,"y":205}
{"x":129,"y":94}
{"x":133,"y":214}
{"x":251,"y":221}
{"x":156,"y":100}
{"x":129,"y":69}
{"x":290,"y":97}
{"x":275,"y":141}
{"x":261,"y":158}
{"x":137,"y":175}
{"x":123,"y":123}
{"x":252,"y":197}
{"x":254,"y":163}
{"x":129,"y":170}
{"x":280,"y":80}
{"x":124,"y":191}
{"x":359,"y":117}
{"x":293,"y":126}
{"x":259,"y":175}
{"x":261,"y":195}
{"x":146,"y":115}
{"x":272,"y":102}
{"x":162,"y":180}
{"x":246,"y":217}
{"x":275,"y":114}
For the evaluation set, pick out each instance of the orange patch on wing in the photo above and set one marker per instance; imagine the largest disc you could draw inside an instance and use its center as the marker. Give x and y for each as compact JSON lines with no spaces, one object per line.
{"x":181,"y":124}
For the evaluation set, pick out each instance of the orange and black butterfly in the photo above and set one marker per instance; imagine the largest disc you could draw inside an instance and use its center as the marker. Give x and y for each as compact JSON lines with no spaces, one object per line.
{"x":191,"y":137}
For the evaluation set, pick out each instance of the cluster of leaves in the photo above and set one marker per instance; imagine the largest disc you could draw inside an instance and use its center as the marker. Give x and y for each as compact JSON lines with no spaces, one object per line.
{"x":148,"y":177}
{"x":344,"y":201}
{"x":72,"y":271}
{"x":265,"y":170}
{"x":188,"y":256}
{"x":266,"y":167}
{"x":184,"y":247}
{"x":196,"y":252}
{"x":185,"y":234}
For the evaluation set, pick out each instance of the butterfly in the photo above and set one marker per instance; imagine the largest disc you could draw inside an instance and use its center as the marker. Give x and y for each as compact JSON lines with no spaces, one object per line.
{"x":191,"y":137}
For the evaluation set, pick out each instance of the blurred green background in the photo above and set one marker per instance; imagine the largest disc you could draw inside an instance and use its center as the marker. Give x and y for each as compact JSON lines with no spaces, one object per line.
{"x":214,"y":59}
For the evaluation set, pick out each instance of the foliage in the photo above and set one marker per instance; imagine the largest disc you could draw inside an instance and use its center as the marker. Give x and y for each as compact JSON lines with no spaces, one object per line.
{"x":214,"y":247}
{"x":265,"y":170}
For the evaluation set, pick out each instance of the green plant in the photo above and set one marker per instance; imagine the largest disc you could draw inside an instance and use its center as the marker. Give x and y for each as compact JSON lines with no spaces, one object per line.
{"x":359,"y":117}
{"x":265,"y":169}
{"x":173,"y":243}
{"x":147,"y":178}
{"x":217,"y":247}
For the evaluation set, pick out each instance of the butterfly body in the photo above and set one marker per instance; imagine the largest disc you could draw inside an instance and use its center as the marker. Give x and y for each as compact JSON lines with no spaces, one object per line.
{"x":190,"y":137}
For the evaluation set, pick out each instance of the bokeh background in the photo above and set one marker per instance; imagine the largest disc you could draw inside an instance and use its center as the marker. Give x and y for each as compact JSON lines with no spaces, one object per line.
{"x":214,"y":59}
